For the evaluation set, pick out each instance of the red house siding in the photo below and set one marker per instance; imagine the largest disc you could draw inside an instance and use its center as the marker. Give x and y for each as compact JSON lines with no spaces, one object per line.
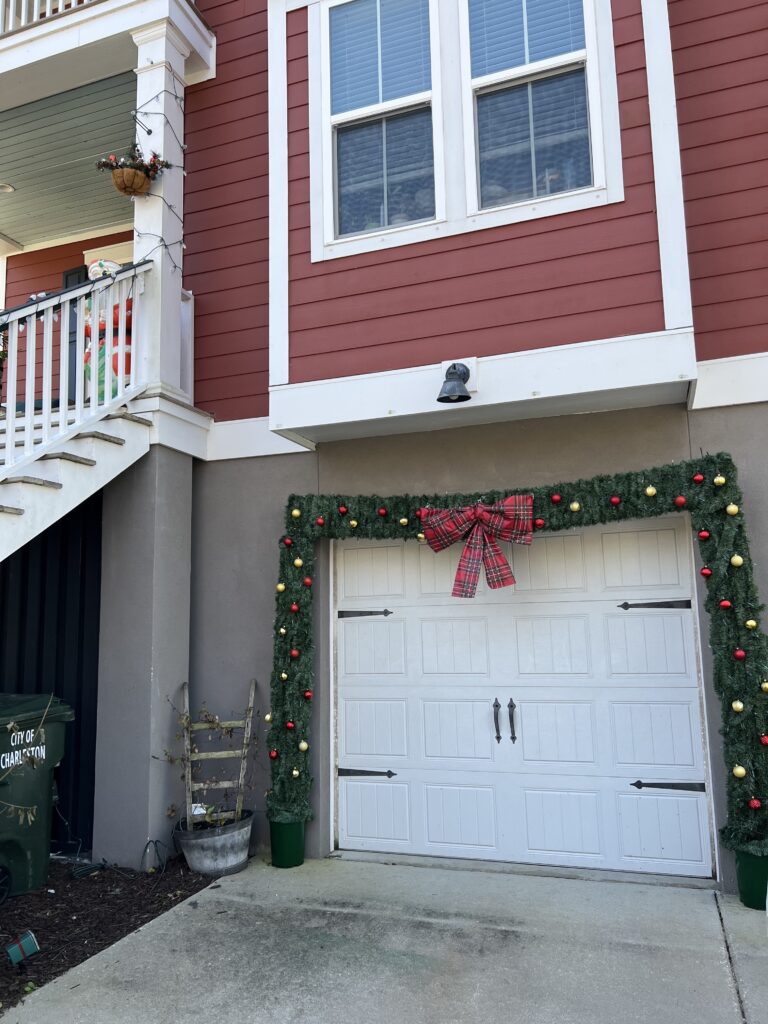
{"x":225,"y":214}
{"x":570,"y":278}
{"x":719,"y":57}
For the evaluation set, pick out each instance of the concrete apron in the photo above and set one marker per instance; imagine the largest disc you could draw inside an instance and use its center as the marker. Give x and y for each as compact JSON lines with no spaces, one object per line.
{"x":346,"y":942}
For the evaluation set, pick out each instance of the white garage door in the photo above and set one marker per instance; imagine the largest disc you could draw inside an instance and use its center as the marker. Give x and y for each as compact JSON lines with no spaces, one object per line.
{"x":514,"y":724}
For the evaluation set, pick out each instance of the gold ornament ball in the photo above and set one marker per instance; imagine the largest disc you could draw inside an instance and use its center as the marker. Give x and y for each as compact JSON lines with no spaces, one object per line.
{"x":650,"y":491}
{"x":764,"y":686}
{"x":719,"y":480}
{"x":284,"y":676}
{"x":420,"y":537}
{"x":737,"y":561}
{"x":751,"y":624}
{"x":280,"y":588}
{"x":303,"y":746}
{"x":282,"y":631}
{"x":574,"y":506}
{"x":403,"y":522}
{"x":268,"y":717}
{"x":353,"y":523}
{"x":737,"y":706}
{"x":298,"y":562}
{"x":295,"y":773}
{"x":739,"y":771}
{"x":732,"y":510}
{"x":296,"y":513}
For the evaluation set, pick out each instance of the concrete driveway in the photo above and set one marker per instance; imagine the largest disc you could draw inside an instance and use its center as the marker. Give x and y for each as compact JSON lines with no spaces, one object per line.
{"x":360,"y":942}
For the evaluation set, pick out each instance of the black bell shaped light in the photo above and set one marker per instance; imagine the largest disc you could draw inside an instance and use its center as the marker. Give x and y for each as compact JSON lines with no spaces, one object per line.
{"x":454,"y":387}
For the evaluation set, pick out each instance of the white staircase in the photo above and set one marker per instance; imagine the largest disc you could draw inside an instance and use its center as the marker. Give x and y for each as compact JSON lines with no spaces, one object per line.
{"x":57,"y":457}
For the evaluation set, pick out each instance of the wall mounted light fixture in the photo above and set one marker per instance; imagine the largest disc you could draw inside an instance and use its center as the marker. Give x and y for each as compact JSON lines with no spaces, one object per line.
{"x":454,"y":386}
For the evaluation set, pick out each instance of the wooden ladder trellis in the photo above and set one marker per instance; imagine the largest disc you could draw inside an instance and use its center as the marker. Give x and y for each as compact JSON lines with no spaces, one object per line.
{"x":190,"y":757}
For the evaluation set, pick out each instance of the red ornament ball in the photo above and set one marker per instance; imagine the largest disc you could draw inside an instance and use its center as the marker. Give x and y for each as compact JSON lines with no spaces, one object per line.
{"x":307,"y":581}
{"x":382,"y":512}
{"x":555,"y":499}
{"x":698,"y":478}
{"x":294,"y":607}
{"x":320,"y":521}
{"x":725,"y":604}
{"x":307,"y":695}
{"x":290,"y":726}
{"x":615,"y":500}
{"x":680,"y":501}
{"x":273,"y":755}
{"x":343,"y":510}
{"x":704,"y":534}
{"x":287,"y":541}
{"x":539,"y":524}
{"x":739,"y":654}
{"x":755,"y":804}
{"x":764,"y":741}
{"x":295,"y":653}
{"x":418,"y":513}
{"x":706,"y":572}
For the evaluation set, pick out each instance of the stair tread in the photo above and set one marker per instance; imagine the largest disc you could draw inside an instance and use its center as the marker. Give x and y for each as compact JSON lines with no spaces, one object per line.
{"x":81,"y":460}
{"x":11,"y":511}
{"x":132,"y":416}
{"x":37,"y":481}
{"x":99,"y":435}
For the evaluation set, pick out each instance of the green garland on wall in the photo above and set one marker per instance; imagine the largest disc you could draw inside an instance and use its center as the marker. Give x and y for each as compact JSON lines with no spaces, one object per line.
{"x":707,"y":488}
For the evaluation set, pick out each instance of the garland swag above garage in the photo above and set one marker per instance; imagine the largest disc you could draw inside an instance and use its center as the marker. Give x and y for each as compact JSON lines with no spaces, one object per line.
{"x":707,"y":488}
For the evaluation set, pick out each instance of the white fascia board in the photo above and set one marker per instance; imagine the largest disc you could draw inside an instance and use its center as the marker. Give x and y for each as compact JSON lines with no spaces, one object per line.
{"x":174,"y":424}
{"x":94,"y":23}
{"x":247,"y":439}
{"x":645,"y":369}
{"x":740,"y":380}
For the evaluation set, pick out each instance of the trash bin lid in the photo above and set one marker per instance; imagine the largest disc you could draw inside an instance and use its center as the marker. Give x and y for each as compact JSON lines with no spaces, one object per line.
{"x":30,"y":707}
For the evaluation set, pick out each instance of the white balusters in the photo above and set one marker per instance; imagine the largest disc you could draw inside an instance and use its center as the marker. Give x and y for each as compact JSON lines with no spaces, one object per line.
{"x":16,"y":14}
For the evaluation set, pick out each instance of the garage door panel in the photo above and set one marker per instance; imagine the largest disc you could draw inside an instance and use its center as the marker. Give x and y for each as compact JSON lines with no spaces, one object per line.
{"x":656,"y":734}
{"x":372,"y":812}
{"x":373,"y":647}
{"x":461,"y":816}
{"x":376,"y":570}
{"x":457,"y":729}
{"x":551,"y":565}
{"x":562,"y":822}
{"x":557,"y":731}
{"x":646,"y":644}
{"x":456,"y":646}
{"x":552,"y":645}
{"x":668,"y":832}
{"x":373,"y":727}
{"x":640,"y":559}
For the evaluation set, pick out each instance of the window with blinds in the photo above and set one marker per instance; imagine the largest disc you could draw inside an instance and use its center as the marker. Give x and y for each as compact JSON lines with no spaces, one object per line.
{"x":528,"y":62}
{"x":381,"y":82}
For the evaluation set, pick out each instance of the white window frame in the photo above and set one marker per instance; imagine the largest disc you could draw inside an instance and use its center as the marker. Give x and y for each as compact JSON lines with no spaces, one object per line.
{"x":452,"y":100}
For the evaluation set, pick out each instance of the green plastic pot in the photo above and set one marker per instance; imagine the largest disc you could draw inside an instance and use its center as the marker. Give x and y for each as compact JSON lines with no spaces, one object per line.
{"x":752,"y":879}
{"x":287,"y":840}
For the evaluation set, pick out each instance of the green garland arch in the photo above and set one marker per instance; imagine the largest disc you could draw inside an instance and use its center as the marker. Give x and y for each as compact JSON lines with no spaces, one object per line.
{"x":708,"y":486}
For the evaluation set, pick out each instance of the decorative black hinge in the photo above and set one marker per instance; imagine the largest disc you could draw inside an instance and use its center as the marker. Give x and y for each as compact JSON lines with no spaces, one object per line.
{"x":358,"y":615}
{"x":655,"y":604}
{"x":361,"y":771}
{"x":693,"y":787}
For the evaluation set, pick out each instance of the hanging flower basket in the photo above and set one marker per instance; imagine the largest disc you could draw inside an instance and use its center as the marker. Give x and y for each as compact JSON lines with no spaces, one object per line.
{"x":130,"y":181}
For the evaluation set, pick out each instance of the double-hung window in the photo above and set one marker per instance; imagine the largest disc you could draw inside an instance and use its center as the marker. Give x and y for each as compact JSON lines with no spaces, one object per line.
{"x":381,"y":114}
{"x":436,"y":117}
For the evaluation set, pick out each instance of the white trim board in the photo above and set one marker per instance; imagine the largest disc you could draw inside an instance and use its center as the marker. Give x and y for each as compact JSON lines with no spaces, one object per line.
{"x":247,"y":439}
{"x":740,"y":380}
{"x":615,"y":373}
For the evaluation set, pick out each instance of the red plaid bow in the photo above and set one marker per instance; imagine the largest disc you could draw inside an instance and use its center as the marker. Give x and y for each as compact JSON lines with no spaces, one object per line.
{"x":510,"y":519}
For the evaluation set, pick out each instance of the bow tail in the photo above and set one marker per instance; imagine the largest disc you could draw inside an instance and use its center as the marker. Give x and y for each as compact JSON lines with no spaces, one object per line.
{"x":472,"y":557}
{"x":497,"y":570}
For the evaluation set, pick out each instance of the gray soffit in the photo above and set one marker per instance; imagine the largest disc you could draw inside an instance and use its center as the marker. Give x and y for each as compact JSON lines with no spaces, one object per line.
{"x":48,"y":150}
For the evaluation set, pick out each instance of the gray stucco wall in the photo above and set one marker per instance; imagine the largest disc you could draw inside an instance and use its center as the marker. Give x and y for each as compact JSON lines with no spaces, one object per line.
{"x":238,"y":515}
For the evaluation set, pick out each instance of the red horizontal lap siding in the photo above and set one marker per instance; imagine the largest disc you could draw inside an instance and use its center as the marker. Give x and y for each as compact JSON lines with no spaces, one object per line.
{"x":226,"y":214}
{"x":720,"y":71}
{"x":569,"y":278}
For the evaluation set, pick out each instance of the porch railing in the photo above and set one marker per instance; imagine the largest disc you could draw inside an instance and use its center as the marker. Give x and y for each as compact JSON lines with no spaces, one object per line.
{"x":15,"y":14}
{"x":70,"y":359}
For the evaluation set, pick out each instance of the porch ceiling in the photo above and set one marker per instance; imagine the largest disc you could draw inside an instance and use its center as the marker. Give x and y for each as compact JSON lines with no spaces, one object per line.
{"x":49,"y":149}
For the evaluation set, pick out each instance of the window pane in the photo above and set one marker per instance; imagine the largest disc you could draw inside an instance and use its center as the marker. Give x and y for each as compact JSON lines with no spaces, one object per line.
{"x":360,"y":177}
{"x":504,"y":144}
{"x":508,"y":33}
{"x":385,"y":173}
{"x":533,"y":139}
{"x":379,"y":51}
{"x":410,"y":170}
{"x":561,"y":131}
{"x":354,"y":55}
{"x":405,"y":58}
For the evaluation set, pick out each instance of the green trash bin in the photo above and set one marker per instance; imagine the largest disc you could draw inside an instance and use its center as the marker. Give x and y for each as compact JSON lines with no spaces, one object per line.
{"x":32,"y":733}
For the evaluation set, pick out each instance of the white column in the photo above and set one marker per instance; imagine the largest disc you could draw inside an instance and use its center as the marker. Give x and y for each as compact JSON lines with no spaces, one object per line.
{"x":162,"y":53}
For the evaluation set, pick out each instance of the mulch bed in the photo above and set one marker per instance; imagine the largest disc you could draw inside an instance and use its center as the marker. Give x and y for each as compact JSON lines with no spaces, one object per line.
{"x":82,"y":916}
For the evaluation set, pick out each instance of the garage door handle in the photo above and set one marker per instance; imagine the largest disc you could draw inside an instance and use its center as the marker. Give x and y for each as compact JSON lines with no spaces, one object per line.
{"x":511,"y":708}
{"x":496,"y":710}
